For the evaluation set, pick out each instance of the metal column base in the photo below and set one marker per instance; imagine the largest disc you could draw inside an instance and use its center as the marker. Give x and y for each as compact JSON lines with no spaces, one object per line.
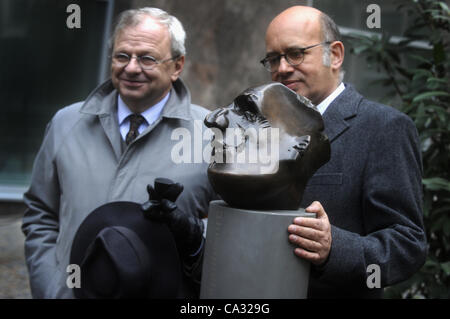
{"x":248,"y":255}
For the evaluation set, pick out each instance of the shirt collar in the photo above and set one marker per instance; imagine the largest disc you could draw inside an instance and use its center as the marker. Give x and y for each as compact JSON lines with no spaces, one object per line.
{"x":150,"y":115}
{"x":322,"y":107}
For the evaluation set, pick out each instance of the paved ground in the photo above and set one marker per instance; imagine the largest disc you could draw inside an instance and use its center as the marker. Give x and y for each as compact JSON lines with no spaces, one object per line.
{"x":13,"y":272}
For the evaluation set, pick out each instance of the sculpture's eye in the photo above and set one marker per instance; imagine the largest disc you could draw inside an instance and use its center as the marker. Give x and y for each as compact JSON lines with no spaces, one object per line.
{"x":246,"y":102}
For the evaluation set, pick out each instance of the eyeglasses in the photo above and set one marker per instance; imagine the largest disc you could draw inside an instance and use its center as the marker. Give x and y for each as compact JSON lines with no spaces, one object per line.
{"x":293,"y":56}
{"x":146,"y":62}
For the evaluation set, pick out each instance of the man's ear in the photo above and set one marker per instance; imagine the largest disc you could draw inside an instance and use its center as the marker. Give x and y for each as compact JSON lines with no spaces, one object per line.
{"x":178,"y":64}
{"x":337,"y":54}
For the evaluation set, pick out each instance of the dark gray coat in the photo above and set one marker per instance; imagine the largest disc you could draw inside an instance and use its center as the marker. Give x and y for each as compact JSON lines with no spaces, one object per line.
{"x":371,"y":190}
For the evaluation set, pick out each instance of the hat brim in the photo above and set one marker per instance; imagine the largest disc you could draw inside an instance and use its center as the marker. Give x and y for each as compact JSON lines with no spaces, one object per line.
{"x":165,"y":267}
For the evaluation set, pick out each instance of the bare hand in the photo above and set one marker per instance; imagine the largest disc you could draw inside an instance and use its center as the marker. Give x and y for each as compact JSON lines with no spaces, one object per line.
{"x":312,"y":235}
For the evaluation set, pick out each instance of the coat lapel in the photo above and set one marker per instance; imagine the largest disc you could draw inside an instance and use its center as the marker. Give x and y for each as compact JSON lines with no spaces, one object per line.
{"x":102,"y":102}
{"x":111,"y":127}
{"x":343,"y":108}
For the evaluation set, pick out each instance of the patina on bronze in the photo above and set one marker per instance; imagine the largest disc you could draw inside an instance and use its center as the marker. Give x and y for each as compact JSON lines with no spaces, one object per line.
{"x":302,"y":148}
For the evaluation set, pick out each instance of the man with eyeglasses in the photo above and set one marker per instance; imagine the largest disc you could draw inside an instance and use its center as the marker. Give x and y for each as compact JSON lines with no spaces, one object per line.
{"x":111,"y":146}
{"x":368,"y":197}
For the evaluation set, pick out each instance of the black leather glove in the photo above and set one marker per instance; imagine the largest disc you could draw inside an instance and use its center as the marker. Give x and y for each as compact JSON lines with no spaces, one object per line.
{"x":186,"y":229}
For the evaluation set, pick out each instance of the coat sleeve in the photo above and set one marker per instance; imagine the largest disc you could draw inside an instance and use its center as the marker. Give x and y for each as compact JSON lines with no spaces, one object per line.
{"x":391,"y":214}
{"x":40,"y":221}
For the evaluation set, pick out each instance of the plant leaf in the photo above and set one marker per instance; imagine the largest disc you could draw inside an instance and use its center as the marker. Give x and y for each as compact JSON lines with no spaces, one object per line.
{"x":428,"y":95}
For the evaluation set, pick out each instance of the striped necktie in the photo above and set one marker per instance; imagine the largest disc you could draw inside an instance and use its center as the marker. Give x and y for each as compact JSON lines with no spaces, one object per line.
{"x":135,"y":121}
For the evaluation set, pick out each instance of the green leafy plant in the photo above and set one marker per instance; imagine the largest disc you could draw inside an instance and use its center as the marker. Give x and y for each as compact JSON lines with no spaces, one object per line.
{"x":417,"y":81}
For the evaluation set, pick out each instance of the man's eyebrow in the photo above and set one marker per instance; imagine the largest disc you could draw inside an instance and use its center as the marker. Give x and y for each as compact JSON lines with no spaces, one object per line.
{"x":275,"y":53}
{"x":139,"y":52}
{"x":271,"y":53}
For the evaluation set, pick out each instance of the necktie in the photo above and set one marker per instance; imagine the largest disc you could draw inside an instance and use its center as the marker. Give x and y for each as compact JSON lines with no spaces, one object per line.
{"x":135,"y":121}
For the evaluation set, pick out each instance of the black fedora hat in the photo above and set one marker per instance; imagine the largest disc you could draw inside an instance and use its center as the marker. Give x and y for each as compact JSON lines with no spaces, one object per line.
{"x":122,"y":254}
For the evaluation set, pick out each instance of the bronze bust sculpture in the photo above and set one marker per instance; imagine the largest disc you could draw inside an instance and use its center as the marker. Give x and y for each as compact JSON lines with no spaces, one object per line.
{"x":297,"y":148}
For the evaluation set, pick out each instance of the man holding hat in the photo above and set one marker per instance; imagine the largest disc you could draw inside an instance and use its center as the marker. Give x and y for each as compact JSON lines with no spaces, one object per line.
{"x":106,"y":150}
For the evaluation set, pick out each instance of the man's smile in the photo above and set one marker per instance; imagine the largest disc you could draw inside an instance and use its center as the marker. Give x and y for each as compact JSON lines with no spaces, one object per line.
{"x":132,"y":83}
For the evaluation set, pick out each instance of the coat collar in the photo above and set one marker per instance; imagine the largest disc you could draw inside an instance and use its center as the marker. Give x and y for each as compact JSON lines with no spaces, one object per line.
{"x":343,"y":108}
{"x":179,"y":104}
{"x":102,"y":101}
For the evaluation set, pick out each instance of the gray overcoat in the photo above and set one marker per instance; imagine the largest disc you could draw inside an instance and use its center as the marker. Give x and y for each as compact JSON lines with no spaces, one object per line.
{"x":82,"y":165}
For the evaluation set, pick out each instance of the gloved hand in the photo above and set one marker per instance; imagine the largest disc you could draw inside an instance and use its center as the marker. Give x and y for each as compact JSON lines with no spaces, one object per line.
{"x":186,"y":229}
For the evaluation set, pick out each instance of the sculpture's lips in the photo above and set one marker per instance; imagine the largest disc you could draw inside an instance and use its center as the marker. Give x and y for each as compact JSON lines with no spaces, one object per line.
{"x":218,"y":144}
{"x":221,"y":145}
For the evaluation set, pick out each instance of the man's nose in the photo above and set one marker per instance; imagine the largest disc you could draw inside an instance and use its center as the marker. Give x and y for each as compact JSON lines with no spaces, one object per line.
{"x":284,"y":66}
{"x":217,"y":119}
{"x":133,"y":66}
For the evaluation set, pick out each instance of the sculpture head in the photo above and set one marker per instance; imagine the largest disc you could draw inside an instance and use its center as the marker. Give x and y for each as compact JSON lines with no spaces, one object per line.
{"x":267,"y":144}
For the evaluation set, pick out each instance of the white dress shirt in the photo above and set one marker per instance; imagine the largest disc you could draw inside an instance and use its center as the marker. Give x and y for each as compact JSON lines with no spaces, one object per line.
{"x":322,"y":106}
{"x":150,"y":115}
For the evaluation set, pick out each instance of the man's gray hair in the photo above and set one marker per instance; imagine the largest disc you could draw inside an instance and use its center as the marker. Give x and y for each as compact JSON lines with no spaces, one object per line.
{"x":330,"y":33}
{"x":133,"y":17}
